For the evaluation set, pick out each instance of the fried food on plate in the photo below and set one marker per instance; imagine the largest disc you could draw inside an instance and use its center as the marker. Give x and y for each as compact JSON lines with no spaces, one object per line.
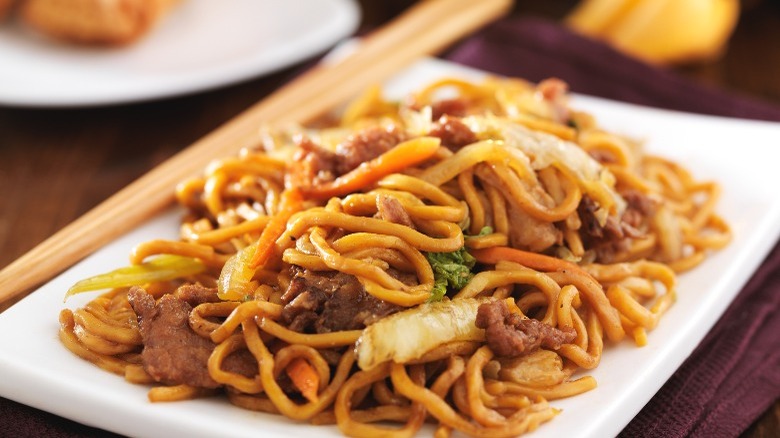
{"x":109,"y":22}
{"x":5,"y":8}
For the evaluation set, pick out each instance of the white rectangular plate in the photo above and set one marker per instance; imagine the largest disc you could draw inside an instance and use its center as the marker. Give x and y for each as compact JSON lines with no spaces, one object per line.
{"x":742,"y":155}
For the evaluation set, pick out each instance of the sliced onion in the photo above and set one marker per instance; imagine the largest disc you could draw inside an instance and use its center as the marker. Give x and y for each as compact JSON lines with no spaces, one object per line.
{"x":162,"y":268}
{"x":235,"y":280}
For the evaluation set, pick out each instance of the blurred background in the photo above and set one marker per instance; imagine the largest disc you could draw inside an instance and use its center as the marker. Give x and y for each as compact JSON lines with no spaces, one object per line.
{"x":748,"y":61}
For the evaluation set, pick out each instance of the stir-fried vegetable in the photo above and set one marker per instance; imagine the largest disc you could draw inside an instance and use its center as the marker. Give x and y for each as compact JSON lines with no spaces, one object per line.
{"x":304,"y":377}
{"x":291,"y":203}
{"x":408,"y":335}
{"x":161,"y":268}
{"x":235,"y":280}
{"x":451,"y":269}
{"x":539,"y":262}
{"x":405,"y":154}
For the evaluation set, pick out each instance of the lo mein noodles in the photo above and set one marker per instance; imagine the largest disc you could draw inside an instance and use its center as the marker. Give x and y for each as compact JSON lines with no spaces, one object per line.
{"x":454,"y":258}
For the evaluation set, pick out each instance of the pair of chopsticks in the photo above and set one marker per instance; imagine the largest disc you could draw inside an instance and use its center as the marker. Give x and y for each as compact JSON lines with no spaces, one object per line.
{"x":424,"y":29}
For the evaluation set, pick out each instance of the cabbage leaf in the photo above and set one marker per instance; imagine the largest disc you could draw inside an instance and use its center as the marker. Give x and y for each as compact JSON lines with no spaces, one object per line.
{"x":452,"y":269}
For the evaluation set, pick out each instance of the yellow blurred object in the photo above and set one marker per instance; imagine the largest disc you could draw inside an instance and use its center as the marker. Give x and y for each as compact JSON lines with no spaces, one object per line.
{"x":659,"y":31}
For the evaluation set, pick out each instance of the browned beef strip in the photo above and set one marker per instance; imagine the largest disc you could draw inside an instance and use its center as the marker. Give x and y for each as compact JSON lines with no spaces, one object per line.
{"x":640,"y":202}
{"x":325,"y":302}
{"x":302,"y":310}
{"x":194,"y":294}
{"x":511,"y":335}
{"x":614,"y":229}
{"x":457,"y":107}
{"x":407,"y":278}
{"x":453,"y":133}
{"x":366,"y":145}
{"x":241,"y":362}
{"x":590,"y":225}
{"x":640,"y":206}
{"x":554,"y":91}
{"x":620,"y":229}
{"x":616,"y":234}
{"x":312,"y":164}
{"x":391,"y":210}
{"x":173,"y":353}
{"x":352,"y":308}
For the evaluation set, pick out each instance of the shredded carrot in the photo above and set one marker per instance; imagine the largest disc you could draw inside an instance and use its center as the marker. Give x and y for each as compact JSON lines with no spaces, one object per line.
{"x":394,"y":160}
{"x":304,"y":377}
{"x":290,"y":203}
{"x":539,"y":262}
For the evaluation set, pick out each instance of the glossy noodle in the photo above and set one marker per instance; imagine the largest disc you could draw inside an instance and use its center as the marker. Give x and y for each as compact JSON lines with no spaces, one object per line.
{"x":452,"y":258}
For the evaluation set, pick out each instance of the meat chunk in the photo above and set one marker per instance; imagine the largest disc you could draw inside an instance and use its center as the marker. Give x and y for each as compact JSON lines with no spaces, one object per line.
{"x":365,"y":146}
{"x":613,"y":229}
{"x":304,"y":303}
{"x":326,"y":302}
{"x":614,"y":235}
{"x":454,"y":134}
{"x":458,"y":107}
{"x":352,"y":308}
{"x":194,"y":294}
{"x":312,"y":164}
{"x":391,"y":210}
{"x":640,"y":202}
{"x":511,"y":335}
{"x":173,"y":353}
{"x":554,"y":91}
{"x":640,"y":206}
{"x":590,"y":223}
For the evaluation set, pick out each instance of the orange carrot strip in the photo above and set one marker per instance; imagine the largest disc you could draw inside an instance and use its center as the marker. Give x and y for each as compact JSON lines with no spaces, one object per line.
{"x":290,"y":203}
{"x":304,"y":377}
{"x":400,"y":157}
{"x":539,"y":262}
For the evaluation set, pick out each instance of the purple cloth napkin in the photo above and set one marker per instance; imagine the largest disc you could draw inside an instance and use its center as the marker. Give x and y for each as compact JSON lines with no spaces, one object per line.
{"x":734,"y":374}
{"x":535,"y":49}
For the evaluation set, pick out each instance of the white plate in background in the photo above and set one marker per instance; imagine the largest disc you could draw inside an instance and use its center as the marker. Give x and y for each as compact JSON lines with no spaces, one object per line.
{"x":741,"y":155}
{"x":201,"y":44}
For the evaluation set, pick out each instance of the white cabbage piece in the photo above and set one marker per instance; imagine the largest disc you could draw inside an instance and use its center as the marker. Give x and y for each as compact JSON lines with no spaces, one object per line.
{"x":409,"y":334}
{"x":544,"y":150}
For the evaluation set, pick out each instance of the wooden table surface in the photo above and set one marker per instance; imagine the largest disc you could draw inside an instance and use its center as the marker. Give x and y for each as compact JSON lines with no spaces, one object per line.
{"x":57,"y":164}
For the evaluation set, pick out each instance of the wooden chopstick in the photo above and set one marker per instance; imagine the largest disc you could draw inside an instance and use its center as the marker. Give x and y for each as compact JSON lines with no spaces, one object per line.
{"x":425,"y":28}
